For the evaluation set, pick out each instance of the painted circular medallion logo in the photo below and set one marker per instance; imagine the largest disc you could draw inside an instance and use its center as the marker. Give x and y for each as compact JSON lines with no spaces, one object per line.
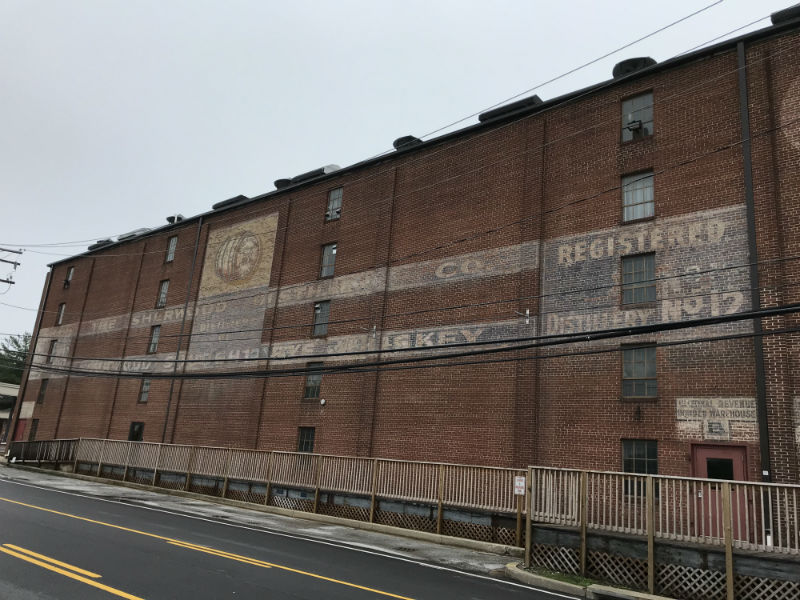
{"x":238,"y":256}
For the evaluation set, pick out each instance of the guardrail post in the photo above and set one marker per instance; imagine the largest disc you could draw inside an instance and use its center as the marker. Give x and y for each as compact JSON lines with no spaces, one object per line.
{"x":225,"y":473}
{"x":651,"y":545}
{"x":439,"y":515}
{"x":189,"y":467}
{"x":528,"y":511}
{"x":372,"y":503}
{"x":584,"y":509}
{"x":727,"y":525}
{"x":155,"y":468}
{"x":127,"y":461}
{"x":100,"y":458}
{"x":316,"y":483}
{"x":268,"y":493}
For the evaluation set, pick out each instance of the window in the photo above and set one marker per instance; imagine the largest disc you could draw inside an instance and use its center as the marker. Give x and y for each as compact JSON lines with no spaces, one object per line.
{"x":328,"y":260}
{"x":42,"y":391}
{"x":155,"y":333}
{"x":637,"y":117}
{"x":305,"y":439}
{"x":144,"y":391}
{"x":51,"y":350}
{"x":637,"y":196}
{"x":68,"y":278}
{"x":334,"y":210}
{"x":136,"y":432}
{"x":639,"y":279}
{"x":34,"y":428}
{"x":313,"y":382}
{"x":639,"y":372}
{"x":60,"y":314}
{"x":163,"y":288}
{"x":640,"y":456}
{"x":172,"y":245}
{"x":322,"y":312}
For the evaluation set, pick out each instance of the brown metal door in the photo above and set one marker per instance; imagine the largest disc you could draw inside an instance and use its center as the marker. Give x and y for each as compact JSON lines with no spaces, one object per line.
{"x":723,"y":463}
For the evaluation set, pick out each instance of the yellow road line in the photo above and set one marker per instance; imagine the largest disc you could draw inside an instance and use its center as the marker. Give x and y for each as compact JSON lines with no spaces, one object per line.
{"x":193,"y":546}
{"x":66,"y":573}
{"x":262,"y":563}
{"x":58,"y":563}
{"x":220,"y":553}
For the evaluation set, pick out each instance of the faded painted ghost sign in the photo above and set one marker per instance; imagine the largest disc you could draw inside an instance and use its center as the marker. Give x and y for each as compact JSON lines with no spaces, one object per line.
{"x":715,"y":415}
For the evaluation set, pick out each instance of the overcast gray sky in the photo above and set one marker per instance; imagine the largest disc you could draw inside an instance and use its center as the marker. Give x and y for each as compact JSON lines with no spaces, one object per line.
{"x":117,"y":113}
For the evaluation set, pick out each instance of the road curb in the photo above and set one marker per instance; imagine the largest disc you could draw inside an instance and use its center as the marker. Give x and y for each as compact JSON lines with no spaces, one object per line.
{"x":424,"y":536}
{"x":594,"y":591}
{"x":513,"y":571}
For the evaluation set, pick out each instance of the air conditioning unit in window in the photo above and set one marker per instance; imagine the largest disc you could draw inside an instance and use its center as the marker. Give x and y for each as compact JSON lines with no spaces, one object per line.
{"x":334,"y":214}
{"x":634,"y":126}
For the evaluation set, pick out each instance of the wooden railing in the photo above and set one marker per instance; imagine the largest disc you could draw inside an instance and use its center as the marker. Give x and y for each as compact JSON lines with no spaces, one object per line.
{"x":763,"y":516}
{"x":465,"y":488}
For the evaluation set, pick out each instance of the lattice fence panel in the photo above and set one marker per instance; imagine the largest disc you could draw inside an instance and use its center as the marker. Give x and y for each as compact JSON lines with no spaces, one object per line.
{"x":246,"y":491}
{"x":688,"y":583}
{"x":357,"y":513}
{"x":623,"y":570}
{"x":405,"y":521}
{"x":171,"y":481}
{"x":759,"y":588}
{"x":206,"y":485}
{"x":556,"y":558}
{"x":300,"y":504}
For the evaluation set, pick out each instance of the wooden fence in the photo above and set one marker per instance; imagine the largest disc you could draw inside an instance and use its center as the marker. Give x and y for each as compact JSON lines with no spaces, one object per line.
{"x":759,"y":519}
{"x":460,"y":500}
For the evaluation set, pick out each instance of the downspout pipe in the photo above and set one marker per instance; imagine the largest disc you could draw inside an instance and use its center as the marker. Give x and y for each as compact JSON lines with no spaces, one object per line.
{"x":755,"y":297}
{"x":183,"y":329}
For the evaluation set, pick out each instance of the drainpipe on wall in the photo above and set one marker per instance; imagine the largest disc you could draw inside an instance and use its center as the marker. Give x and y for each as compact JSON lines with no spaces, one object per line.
{"x":755,"y":298}
{"x":180,"y":336}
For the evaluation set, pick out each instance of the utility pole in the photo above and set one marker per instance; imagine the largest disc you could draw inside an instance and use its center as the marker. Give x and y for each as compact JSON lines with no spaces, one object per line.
{"x":15,"y":264}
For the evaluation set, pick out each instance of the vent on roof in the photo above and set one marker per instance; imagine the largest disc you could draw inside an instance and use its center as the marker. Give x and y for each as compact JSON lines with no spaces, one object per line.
{"x":785,"y":15}
{"x":282,"y":183}
{"x":101,"y":243}
{"x":230,"y":201}
{"x":631,"y":65}
{"x":132,"y":234}
{"x":176,"y":218}
{"x":510,"y":108}
{"x":407,"y":141}
{"x":315,"y":173}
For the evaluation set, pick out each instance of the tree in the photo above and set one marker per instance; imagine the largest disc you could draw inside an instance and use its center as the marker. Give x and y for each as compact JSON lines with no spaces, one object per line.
{"x":13,"y":352}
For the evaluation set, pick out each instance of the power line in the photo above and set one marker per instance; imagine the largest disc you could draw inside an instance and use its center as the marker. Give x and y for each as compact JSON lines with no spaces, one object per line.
{"x":525,"y":344}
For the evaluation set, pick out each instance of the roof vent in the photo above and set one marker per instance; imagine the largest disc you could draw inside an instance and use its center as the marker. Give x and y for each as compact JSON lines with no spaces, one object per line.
{"x":405,"y":142}
{"x":315,"y":173}
{"x":282,"y":183}
{"x":176,"y":218}
{"x":230,"y":202}
{"x":132,"y":234}
{"x":510,"y":108}
{"x":101,"y":243}
{"x":632,"y":65}
{"x":785,"y":15}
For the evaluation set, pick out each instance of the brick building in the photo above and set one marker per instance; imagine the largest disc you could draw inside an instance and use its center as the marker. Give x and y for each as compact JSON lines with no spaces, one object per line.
{"x":666,"y":194}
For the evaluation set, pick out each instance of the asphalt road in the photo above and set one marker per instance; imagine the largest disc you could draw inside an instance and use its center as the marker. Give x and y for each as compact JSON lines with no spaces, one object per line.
{"x":69,"y":546}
